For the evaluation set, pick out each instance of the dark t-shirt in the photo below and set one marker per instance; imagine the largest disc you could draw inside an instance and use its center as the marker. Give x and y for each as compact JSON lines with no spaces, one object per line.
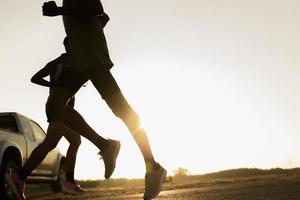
{"x":87,"y":42}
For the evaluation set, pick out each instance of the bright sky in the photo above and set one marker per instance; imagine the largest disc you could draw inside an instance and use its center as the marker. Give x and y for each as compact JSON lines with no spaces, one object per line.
{"x":216,"y":83}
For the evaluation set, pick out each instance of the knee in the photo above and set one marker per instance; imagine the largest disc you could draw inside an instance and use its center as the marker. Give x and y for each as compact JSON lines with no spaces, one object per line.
{"x":119,"y":105}
{"x":121,"y":108}
{"x":128,"y":116}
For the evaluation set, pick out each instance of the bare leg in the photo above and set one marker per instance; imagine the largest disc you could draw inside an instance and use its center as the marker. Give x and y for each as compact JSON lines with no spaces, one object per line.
{"x":110,"y":92}
{"x":75,"y":141}
{"x":123,"y":110}
{"x":57,"y":110}
{"x":40,"y":152}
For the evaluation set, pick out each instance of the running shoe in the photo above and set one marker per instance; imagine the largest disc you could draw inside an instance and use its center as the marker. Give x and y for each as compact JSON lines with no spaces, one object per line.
{"x":109,"y":157}
{"x":153,"y":182}
{"x":17,"y":185}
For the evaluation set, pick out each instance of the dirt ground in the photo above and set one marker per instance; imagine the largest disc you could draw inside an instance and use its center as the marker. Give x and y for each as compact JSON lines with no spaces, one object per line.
{"x":254,"y":188}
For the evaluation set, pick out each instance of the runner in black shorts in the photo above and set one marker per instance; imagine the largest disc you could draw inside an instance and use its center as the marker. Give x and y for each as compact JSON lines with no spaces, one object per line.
{"x":70,"y":186}
{"x":89,"y":60}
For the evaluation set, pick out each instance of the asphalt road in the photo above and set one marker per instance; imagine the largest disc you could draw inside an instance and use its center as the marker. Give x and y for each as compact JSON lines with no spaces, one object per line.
{"x":271,"y":188}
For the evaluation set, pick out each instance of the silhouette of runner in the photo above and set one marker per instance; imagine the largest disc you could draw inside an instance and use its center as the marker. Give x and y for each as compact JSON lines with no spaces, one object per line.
{"x":89,"y":60}
{"x":54,"y":70}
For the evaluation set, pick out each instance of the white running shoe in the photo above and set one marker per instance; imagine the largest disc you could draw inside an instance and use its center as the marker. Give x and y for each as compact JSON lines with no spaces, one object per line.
{"x":153,"y":182}
{"x":109,"y":157}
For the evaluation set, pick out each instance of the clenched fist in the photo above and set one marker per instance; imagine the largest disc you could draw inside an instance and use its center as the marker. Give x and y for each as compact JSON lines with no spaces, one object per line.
{"x":50,"y":9}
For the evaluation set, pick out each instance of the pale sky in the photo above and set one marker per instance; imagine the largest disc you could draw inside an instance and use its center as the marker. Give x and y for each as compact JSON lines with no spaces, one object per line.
{"x":216,"y":83}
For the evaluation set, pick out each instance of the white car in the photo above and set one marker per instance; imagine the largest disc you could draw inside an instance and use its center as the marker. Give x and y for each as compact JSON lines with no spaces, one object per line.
{"x":19,"y":135}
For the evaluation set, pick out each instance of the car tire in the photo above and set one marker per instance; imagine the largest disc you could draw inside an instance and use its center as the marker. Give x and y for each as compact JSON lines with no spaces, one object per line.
{"x":9,"y":166}
{"x":56,"y":186}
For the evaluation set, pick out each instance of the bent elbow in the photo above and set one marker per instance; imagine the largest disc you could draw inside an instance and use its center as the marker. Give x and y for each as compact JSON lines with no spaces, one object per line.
{"x":33,"y":80}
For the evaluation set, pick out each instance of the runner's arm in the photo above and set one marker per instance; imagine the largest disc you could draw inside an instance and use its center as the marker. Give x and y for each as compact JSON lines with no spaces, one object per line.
{"x":80,"y":8}
{"x":38,"y":78}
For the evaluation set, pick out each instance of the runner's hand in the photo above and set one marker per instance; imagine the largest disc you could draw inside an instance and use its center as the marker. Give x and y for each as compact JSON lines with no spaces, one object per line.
{"x":50,"y":9}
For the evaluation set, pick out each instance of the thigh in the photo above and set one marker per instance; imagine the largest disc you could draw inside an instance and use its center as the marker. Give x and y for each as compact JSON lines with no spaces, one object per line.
{"x":104,"y":81}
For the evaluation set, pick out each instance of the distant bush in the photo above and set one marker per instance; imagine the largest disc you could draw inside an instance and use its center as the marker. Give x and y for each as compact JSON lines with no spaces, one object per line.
{"x":181,"y":172}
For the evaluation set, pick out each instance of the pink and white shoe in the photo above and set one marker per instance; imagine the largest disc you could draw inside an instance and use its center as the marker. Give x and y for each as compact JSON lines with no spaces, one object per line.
{"x":17,"y":185}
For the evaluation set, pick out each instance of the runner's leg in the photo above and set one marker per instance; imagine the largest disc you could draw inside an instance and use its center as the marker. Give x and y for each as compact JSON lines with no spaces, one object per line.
{"x":75,"y":141}
{"x":68,"y":84}
{"x":56,"y":105}
{"x":40,"y":152}
{"x":106,"y":85}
